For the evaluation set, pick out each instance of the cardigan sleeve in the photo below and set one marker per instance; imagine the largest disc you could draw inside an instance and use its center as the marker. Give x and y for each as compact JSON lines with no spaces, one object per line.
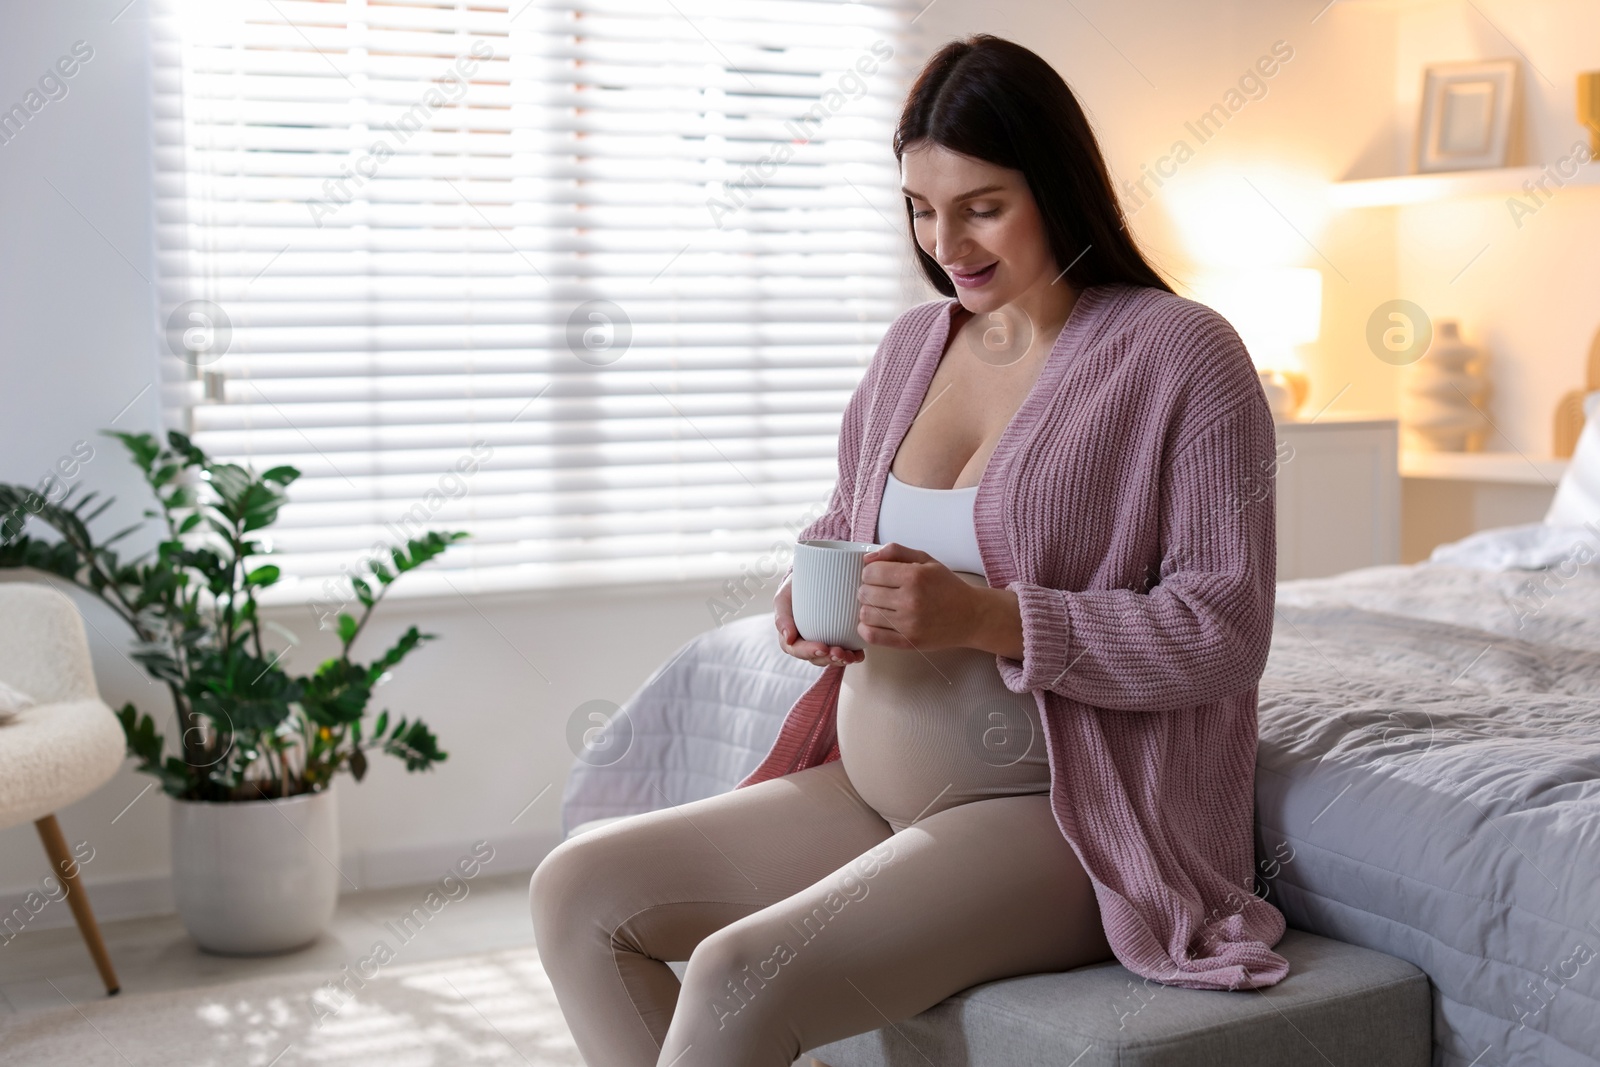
{"x":1202,"y":632}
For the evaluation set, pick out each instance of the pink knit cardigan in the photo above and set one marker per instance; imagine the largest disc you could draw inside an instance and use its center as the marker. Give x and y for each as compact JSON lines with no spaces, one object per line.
{"x":1129,"y":504}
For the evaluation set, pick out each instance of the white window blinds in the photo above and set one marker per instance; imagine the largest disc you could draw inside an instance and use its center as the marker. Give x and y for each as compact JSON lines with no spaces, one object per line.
{"x":592,"y":280}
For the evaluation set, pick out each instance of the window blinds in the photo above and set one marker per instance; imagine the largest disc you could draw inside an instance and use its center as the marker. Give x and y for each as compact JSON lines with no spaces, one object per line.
{"x":592,"y":280}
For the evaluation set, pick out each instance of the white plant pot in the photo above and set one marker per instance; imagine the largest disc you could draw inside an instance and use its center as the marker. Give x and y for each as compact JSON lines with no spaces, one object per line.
{"x":257,"y":877}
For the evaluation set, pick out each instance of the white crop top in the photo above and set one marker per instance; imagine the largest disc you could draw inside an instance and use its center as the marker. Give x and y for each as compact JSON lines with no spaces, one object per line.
{"x":937,"y":521}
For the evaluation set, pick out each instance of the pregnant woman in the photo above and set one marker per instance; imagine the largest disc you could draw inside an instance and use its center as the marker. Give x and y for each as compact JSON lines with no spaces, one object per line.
{"x":1045,"y":755}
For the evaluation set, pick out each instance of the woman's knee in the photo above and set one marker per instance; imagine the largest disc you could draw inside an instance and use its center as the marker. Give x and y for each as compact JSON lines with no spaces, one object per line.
{"x":565,"y":879}
{"x":730,"y":974}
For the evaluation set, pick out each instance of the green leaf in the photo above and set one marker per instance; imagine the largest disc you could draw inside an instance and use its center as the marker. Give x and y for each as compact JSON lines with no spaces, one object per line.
{"x":422,"y":549}
{"x":259,"y":505}
{"x":358,"y":764}
{"x":65,"y":520}
{"x":144,"y":744}
{"x":161,"y":664}
{"x":241,"y":692}
{"x":337,"y":694}
{"x":281,"y":475}
{"x":120,"y":534}
{"x":415,"y":744}
{"x":262,"y":576}
{"x":347,"y":627}
{"x":231,"y":482}
{"x":51,"y":557}
{"x":403,"y":647}
{"x":83,"y":502}
{"x":177,"y":777}
{"x":128,"y":716}
{"x":141,"y":446}
{"x":181,"y":444}
{"x":189,"y":523}
{"x":12,"y":522}
{"x":363,"y":591}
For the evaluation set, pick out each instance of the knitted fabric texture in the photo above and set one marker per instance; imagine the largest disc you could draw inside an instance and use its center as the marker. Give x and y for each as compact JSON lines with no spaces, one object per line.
{"x":68,"y":744}
{"x":1129,"y":504}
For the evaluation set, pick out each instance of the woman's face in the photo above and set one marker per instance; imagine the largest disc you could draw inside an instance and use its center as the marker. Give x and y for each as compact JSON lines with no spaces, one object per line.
{"x":980,"y":223}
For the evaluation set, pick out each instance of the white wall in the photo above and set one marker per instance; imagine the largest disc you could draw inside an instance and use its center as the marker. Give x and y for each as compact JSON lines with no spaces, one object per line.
{"x":79,"y":329}
{"x":77,"y":325}
{"x":1532,"y":297}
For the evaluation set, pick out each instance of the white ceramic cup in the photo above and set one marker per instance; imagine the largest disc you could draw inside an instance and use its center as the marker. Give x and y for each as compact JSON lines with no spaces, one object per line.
{"x":827,"y":576}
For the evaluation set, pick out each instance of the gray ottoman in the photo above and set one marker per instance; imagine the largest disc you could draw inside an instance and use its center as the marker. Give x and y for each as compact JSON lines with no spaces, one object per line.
{"x":1340,"y":1005}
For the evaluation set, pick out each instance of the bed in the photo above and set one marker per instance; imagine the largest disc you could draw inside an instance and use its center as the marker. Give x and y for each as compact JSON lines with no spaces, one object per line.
{"x":1428,"y":775}
{"x":1428,"y":785}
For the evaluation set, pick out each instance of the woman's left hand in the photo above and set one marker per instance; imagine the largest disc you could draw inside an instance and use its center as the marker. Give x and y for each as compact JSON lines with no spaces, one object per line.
{"x":910,"y":600}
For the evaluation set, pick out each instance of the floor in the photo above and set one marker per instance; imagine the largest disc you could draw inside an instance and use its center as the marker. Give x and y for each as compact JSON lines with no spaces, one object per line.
{"x":156,"y":953}
{"x":41,"y":969}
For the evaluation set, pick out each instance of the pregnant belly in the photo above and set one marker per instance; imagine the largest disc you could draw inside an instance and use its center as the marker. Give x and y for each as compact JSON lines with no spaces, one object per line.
{"x":923,"y":731}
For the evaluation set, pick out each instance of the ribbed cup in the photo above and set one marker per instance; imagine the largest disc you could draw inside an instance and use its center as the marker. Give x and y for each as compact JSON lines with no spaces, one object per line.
{"x":827,"y":576}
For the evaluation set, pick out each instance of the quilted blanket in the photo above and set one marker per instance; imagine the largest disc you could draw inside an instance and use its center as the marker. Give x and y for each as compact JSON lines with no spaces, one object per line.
{"x":1428,"y":785}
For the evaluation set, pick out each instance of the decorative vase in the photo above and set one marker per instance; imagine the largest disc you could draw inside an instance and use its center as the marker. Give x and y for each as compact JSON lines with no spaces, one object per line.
{"x":1443,"y":394}
{"x":256,"y":877}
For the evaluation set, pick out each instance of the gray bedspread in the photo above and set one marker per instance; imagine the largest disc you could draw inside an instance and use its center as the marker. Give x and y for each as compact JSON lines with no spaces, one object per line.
{"x":1428,"y":785}
{"x":1428,"y":782}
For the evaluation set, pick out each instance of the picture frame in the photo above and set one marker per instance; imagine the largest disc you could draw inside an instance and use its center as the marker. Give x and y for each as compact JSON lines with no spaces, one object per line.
{"x":1468,"y":115}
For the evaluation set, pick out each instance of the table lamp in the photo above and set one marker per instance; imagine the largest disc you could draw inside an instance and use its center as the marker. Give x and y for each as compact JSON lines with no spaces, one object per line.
{"x":1273,"y":310}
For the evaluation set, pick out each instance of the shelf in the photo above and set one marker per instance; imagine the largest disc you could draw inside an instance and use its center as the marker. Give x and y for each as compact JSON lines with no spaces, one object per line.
{"x":1448,"y":185}
{"x":1509,"y":468}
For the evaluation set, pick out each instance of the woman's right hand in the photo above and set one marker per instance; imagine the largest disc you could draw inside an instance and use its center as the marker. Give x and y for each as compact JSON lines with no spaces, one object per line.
{"x":814,"y":652}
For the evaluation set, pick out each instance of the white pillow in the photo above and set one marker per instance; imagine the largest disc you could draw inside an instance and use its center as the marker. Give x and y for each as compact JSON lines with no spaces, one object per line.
{"x":1530,"y":546}
{"x":11,"y":702}
{"x":1578,"y":494}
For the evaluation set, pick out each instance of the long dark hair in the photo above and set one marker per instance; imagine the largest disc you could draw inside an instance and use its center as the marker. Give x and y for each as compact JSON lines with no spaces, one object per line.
{"x":994,"y":100}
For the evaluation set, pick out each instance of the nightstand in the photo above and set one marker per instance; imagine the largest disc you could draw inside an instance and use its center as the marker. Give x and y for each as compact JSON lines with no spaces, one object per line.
{"x":1338,"y":494}
{"x":1447,"y":495}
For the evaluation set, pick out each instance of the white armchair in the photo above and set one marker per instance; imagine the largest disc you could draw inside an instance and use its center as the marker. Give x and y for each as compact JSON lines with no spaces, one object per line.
{"x":62,"y":748}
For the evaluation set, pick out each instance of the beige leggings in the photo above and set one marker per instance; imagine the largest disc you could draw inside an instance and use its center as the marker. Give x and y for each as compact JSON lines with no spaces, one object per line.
{"x":804,"y":918}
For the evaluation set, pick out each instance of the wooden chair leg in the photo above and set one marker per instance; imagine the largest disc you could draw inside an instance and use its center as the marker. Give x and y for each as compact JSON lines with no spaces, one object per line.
{"x":55,"y":846}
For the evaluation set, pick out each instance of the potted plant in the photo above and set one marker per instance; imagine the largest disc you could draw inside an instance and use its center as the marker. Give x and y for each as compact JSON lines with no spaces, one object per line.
{"x":255,"y":831}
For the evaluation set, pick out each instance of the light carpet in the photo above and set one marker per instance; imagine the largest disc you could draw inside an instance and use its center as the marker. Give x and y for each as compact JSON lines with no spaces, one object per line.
{"x":491,"y":1008}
